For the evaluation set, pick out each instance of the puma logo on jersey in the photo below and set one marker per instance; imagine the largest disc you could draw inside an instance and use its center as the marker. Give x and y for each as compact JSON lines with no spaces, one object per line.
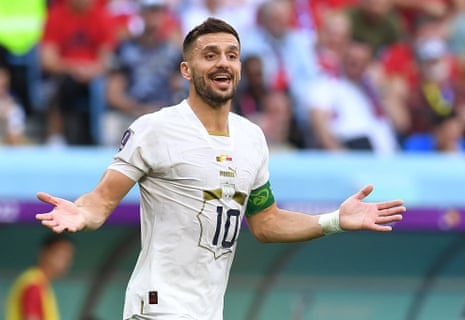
{"x":230,"y":173}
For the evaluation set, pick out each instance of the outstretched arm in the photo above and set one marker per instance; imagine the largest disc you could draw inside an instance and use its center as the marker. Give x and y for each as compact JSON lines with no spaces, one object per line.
{"x":90,"y":210}
{"x":277,"y":225}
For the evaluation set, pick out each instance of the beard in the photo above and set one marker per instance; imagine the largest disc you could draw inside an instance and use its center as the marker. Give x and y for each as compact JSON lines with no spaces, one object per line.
{"x":214,"y":99}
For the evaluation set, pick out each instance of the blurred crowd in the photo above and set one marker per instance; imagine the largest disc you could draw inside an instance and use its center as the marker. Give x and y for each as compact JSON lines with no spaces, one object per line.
{"x":384,"y":76}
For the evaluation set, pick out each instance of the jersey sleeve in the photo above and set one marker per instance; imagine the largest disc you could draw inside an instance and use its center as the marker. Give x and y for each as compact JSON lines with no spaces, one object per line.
{"x":130,"y":160}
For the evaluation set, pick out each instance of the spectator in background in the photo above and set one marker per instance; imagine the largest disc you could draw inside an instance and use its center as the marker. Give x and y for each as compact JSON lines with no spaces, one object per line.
{"x":333,"y":37}
{"x":240,"y":14}
{"x":123,"y":14}
{"x":287,"y":56}
{"x":75,"y":49}
{"x":347,"y":112}
{"x":169,"y":26}
{"x":375,"y":22}
{"x":289,"y":61}
{"x":437,"y":93}
{"x":310,"y":14}
{"x":447,"y":135}
{"x":20,"y":31}
{"x":145,"y":74}
{"x":400,"y":70}
{"x":252,"y":90}
{"x":12,"y":115}
{"x":31,"y":296}
{"x":276,"y":121}
{"x":271,"y":109}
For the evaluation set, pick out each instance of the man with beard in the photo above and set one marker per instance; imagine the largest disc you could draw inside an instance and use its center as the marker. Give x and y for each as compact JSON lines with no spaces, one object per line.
{"x":200,"y":169}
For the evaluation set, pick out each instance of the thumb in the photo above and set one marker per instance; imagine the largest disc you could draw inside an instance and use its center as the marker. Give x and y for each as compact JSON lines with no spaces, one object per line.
{"x":45,"y":197}
{"x":364,"y":192}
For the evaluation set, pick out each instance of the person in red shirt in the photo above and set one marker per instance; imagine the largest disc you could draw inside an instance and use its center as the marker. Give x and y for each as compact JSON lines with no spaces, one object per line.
{"x":75,"y":48}
{"x":31,"y":296}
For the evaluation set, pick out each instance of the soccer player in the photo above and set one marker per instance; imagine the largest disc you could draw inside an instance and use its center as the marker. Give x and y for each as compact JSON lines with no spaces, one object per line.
{"x":200,"y":170}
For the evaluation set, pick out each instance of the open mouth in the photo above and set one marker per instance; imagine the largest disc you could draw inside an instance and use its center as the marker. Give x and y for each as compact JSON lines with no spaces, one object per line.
{"x":221,"y":78}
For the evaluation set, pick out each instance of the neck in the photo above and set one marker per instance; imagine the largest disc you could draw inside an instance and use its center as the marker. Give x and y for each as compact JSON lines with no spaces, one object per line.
{"x":46,"y":271}
{"x":213,"y":118}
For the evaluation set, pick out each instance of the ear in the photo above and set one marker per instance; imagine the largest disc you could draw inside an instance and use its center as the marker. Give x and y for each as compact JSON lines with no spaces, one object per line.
{"x":185,"y":70}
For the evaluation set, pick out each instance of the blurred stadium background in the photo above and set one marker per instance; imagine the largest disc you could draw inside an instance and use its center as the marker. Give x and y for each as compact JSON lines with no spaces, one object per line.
{"x":416,"y":272}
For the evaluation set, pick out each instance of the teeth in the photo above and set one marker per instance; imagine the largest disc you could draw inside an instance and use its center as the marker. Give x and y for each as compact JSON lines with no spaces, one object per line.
{"x":221,"y":77}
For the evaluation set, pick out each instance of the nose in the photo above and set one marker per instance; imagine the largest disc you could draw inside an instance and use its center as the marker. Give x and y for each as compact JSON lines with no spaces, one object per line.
{"x":223,"y":60}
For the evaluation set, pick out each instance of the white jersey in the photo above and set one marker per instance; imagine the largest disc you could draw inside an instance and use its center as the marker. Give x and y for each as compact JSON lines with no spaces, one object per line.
{"x":194,"y":189}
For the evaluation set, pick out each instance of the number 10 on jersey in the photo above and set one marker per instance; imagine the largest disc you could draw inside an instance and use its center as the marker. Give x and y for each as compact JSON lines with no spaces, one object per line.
{"x":227,"y":227}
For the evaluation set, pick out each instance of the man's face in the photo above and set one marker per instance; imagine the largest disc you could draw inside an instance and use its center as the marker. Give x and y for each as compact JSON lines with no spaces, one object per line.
{"x":277,"y":18}
{"x":215,"y":67}
{"x":356,"y":60}
{"x":153,"y":17}
{"x":59,"y":257}
{"x":435,"y":70}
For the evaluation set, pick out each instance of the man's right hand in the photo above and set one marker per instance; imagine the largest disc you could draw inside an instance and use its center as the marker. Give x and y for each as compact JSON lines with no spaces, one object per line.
{"x":65,"y":215}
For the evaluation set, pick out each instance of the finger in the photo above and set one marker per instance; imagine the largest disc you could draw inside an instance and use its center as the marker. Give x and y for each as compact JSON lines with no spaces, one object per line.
{"x":389,"y":204}
{"x":44,"y":216}
{"x":392,"y":211}
{"x":382,"y":228}
{"x":49,"y":223}
{"x":364,"y":192}
{"x":58,"y":228}
{"x":54,"y":225}
{"x":389,"y":219}
{"x":45,"y":197}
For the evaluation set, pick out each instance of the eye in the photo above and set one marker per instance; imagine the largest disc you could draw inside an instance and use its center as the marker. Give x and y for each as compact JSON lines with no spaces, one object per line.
{"x":210,"y":56}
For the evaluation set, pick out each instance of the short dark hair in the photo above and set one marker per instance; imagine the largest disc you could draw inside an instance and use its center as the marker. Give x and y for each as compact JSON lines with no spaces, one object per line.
{"x":52,"y":238}
{"x":211,"y":25}
{"x":437,"y":118}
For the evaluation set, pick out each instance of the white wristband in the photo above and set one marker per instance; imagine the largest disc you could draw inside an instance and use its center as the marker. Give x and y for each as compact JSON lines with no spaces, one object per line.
{"x":329,"y":223}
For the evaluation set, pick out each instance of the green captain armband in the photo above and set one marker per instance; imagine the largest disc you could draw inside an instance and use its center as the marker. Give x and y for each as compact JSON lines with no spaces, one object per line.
{"x":259,"y":199}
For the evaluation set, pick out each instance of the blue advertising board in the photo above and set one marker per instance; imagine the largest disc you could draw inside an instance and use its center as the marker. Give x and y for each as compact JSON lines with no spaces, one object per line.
{"x":432,"y":186}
